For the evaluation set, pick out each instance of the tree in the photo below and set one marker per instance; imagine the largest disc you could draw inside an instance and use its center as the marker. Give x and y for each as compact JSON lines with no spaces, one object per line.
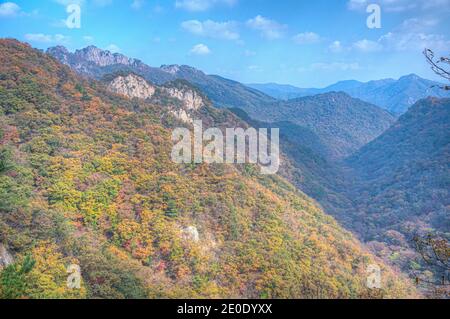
{"x":437,"y":66}
{"x":171,"y":210}
{"x":13,"y":280}
{"x":435,"y":252}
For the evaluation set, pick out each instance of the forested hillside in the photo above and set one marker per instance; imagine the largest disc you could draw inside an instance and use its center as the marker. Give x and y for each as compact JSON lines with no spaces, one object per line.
{"x":340,"y":123}
{"x":86,"y":178}
{"x":333,"y":125}
{"x":402,"y":182}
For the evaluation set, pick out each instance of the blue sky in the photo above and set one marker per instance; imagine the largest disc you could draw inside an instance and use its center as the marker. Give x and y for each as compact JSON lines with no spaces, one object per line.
{"x":298,"y":42}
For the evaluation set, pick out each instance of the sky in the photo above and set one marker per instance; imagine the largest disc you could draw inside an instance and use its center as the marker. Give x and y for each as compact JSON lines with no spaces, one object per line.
{"x":298,"y":42}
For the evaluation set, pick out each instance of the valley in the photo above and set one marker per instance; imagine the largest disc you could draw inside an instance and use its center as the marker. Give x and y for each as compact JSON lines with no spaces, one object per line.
{"x":88,"y":155}
{"x":87,"y":179}
{"x":375,"y":173}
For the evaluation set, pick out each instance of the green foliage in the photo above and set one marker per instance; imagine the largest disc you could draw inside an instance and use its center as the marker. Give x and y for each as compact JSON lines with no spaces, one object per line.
{"x":6,"y":162}
{"x":93,"y":185}
{"x":171,"y":210}
{"x":14,"y":280}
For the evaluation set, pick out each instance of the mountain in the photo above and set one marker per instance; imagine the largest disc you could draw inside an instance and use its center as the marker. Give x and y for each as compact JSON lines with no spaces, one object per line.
{"x":396,"y":96}
{"x":96,"y":63}
{"x":86,"y":180}
{"x":341,"y":124}
{"x":406,"y":170}
{"x":182,"y":99}
{"x":283,"y":91}
{"x":402,"y":181}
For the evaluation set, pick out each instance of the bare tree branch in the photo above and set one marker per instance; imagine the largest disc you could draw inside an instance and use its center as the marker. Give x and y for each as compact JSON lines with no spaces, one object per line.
{"x":436,"y":66}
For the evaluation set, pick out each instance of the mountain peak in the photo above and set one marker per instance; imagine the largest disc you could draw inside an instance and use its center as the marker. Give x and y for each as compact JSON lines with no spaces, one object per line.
{"x":411,"y":76}
{"x":172,"y":68}
{"x":175,"y":69}
{"x":58,"y":48}
{"x":102,"y":57}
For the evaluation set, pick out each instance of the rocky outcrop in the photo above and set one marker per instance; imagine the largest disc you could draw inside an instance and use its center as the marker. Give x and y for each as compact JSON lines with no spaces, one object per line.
{"x":182,"y":115}
{"x":132,"y":86}
{"x":191,"y":234}
{"x":103,"y":57}
{"x":5,"y":257}
{"x":191,"y":99}
{"x":172,"y":69}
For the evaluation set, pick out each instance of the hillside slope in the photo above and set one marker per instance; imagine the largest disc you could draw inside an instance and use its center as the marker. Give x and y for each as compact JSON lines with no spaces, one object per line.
{"x":96,"y":63}
{"x":401,"y":185}
{"x":406,"y":171}
{"x":86,"y":178}
{"x":341,"y":123}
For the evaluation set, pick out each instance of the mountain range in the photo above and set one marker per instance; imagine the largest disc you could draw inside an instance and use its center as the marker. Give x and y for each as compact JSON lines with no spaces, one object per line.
{"x":86,"y":179}
{"x":401,"y":182}
{"x":96,"y":63}
{"x":340,"y":124}
{"x":396,"y":96}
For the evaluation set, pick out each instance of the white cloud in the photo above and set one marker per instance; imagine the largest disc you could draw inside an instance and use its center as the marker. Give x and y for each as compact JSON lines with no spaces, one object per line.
{"x":67,"y":2}
{"x":137,"y":4}
{"x":212,"y":29}
{"x":414,"y":35}
{"x":9,"y":9}
{"x":88,"y":38}
{"x":200,"y":49}
{"x":306,"y":38}
{"x":336,"y":47}
{"x":398,"y":5}
{"x":269,"y":29}
{"x":255,"y":68}
{"x":367,"y":46}
{"x":335,"y":66}
{"x":46,"y":38}
{"x":430,"y":4}
{"x":415,"y":41}
{"x":158,"y":9}
{"x":249,"y":53}
{"x":201,"y":5}
{"x":113,"y":48}
{"x":418,"y":25}
{"x":98,"y":3}
{"x":102,"y":3}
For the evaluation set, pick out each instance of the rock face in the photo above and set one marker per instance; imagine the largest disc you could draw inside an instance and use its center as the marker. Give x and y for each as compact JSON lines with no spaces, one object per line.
{"x":103,"y":57}
{"x":190,"y":98}
{"x":182,"y":115}
{"x":191,"y":234}
{"x":5,"y":257}
{"x":132,"y":86}
{"x":96,"y":63}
